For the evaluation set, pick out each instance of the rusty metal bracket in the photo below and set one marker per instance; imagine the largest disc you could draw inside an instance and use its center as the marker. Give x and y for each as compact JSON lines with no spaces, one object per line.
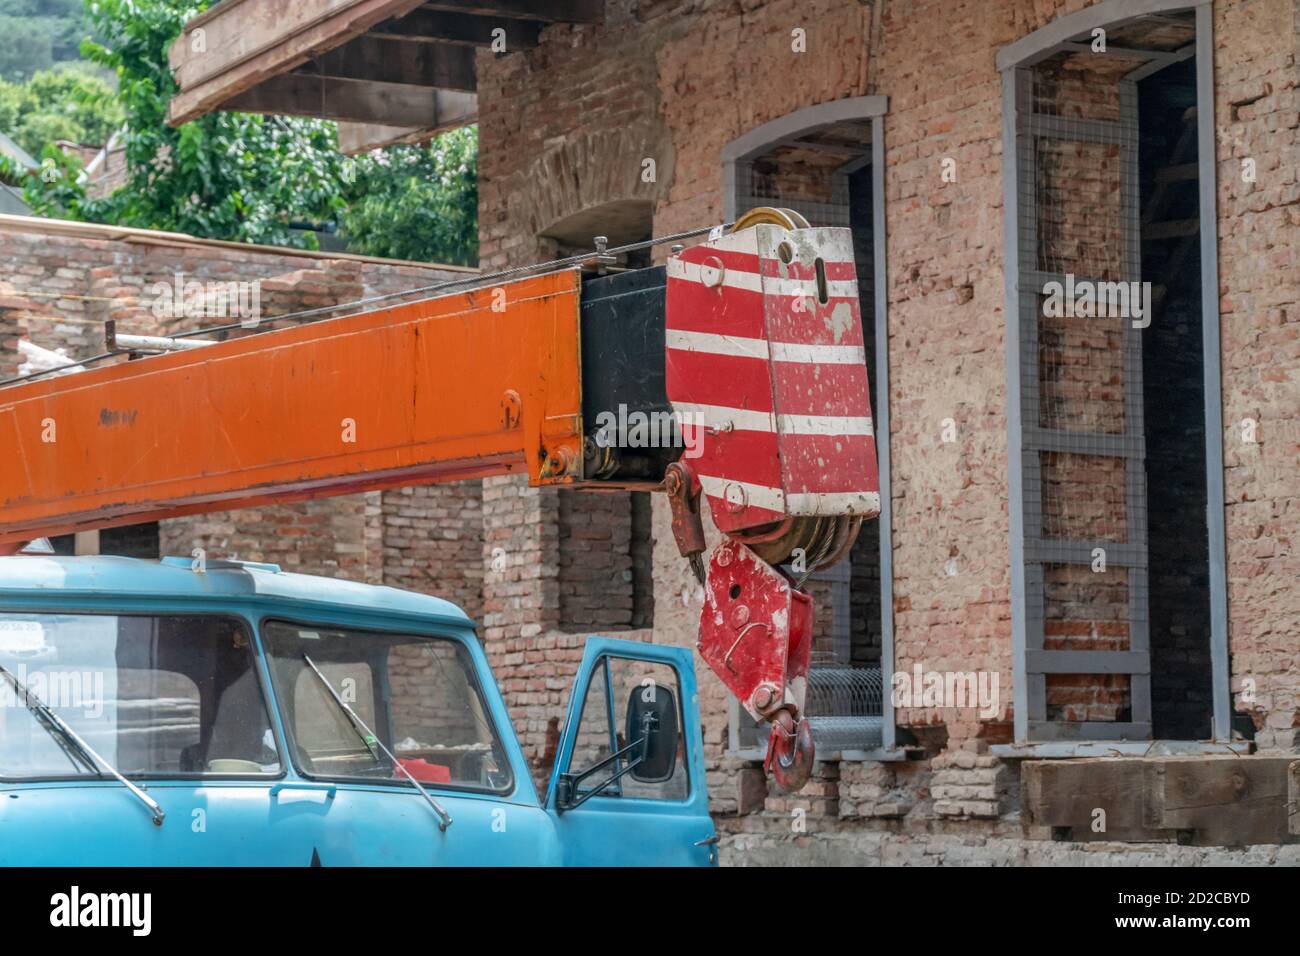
{"x":683,"y":490}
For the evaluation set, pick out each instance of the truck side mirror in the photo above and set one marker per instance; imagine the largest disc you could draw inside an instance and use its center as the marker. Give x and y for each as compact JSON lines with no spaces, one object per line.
{"x":652,"y":719}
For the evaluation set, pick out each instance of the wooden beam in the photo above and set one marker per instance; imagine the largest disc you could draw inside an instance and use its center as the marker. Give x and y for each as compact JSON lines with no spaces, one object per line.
{"x":428,"y":26}
{"x":1293,"y":798}
{"x":358,"y":101}
{"x":1219,"y":800}
{"x":440,"y":65}
{"x":548,"y":11}
{"x":1227,"y":801}
{"x":362,"y":137}
{"x":1070,"y":794}
{"x":238,"y":44}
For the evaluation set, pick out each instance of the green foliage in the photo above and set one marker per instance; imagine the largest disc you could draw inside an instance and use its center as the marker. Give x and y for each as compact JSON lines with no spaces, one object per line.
{"x":417,"y":202}
{"x":37,"y":34}
{"x":72,"y":104}
{"x":256,"y":178}
{"x":53,"y":189}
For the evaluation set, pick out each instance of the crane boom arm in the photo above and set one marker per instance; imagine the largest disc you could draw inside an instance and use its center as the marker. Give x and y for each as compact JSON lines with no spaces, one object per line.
{"x":479,"y":383}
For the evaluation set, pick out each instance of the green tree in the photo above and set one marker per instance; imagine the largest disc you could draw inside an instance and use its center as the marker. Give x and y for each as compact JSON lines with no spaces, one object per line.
{"x":251,"y":178}
{"x":417,"y":202}
{"x":65,"y":103}
{"x":37,"y":34}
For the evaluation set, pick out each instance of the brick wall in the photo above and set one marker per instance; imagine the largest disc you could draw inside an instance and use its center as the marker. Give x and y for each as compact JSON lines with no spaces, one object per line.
{"x":681,"y":80}
{"x":1257,"y":115}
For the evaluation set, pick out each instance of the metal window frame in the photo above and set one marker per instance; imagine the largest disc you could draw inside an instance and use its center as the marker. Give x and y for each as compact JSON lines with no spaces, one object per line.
{"x":747,"y":147}
{"x":1011,"y":61}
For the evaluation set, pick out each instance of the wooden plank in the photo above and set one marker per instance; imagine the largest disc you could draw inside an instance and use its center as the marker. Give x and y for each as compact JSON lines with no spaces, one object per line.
{"x":430,"y":26}
{"x":1293,"y":798}
{"x":441,"y":65}
{"x":548,"y":11}
{"x":361,"y":137}
{"x":1068,"y":793}
{"x":245,"y":43}
{"x":389,"y":104}
{"x":1227,"y":801}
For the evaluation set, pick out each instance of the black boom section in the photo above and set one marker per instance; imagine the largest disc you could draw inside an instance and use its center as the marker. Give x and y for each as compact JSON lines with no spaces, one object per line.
{"x":630,"y":433}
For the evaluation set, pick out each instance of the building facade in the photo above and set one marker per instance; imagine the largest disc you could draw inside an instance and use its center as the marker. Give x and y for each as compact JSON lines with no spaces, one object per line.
{"x":1077,"y":227}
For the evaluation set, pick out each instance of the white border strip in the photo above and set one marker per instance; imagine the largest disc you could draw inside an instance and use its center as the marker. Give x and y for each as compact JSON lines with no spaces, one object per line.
{"x":756,"y":496}
{"x":720,"y":416}
{"x":741,"y":347}
{"x":824,"y":425}
{"x":772,"y":285}
{"x":748,"y":420}
{"x":833,"y":503}
{"x":805,"y":503}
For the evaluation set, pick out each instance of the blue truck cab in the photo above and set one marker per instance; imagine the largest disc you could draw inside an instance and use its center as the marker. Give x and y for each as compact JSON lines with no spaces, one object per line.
{"x":164,"y":713}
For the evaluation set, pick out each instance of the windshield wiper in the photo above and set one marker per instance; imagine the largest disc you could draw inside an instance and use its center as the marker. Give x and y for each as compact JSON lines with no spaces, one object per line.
{"x":52,"y":722}
{"x":367,"y":735}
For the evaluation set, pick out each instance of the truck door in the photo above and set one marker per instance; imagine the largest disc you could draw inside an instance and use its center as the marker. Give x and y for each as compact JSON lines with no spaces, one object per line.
{"x":628,"y":786}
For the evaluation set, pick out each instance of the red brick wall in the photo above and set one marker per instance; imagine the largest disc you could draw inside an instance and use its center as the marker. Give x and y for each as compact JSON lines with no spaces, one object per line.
{"x":718,"y":70}
{"x":1257,"y":115}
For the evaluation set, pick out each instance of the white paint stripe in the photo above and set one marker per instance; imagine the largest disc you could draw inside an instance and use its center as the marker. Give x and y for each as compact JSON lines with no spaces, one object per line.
{"x":824,"y":425}
{"x":731,"y":278}
{"x":835,"y":289}
{"x":819,"y":354}
{"x":743,"y":492}
{"x":800,"y":503}
{"x":742,"y":347}
{"x":771,"y":285}
{"x":717,"y":344}
{"x":833,"y":503}
{"x":748,"y":420}
{"x":718,"y":416}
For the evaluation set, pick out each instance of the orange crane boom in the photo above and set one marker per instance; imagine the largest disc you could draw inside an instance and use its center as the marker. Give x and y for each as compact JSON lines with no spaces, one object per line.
{"x":465,"y":385}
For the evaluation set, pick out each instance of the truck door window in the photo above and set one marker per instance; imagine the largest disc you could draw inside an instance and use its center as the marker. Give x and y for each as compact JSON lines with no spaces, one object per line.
{"x":420,"y":695}
{"x":155,"y":696}
{"x":603,"y":729}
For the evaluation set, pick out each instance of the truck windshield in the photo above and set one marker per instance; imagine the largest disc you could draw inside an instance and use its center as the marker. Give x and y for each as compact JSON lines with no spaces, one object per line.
{"x":155,"y":696}
{"x":418,"y":694}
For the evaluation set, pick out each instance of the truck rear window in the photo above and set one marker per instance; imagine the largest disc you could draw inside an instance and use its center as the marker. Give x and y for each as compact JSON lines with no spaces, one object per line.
{"x":153,"y":696}
{"x":419,"y":695}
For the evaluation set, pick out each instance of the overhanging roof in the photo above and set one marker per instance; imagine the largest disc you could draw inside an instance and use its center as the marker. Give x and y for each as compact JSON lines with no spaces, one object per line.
{"x":388,"y":70}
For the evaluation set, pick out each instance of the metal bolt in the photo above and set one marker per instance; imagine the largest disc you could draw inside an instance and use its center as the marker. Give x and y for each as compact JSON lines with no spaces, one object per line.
{"x":739,"y":616}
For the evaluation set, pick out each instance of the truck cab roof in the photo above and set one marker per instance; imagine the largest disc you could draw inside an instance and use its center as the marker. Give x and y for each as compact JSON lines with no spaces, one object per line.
{"x":31,"y":575}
